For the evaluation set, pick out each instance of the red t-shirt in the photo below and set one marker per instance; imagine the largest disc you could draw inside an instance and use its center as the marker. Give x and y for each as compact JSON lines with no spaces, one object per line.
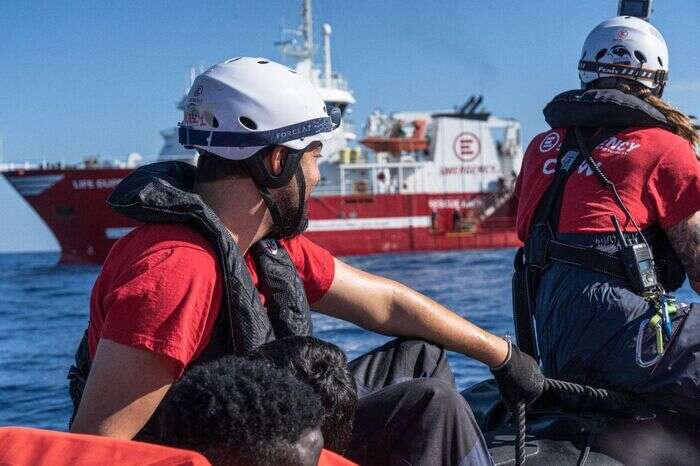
{"x":160,"y":289}
{"x":656,"y":173}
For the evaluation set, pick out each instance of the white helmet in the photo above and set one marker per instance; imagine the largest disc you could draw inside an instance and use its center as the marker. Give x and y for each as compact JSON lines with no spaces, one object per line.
{"x":625,"y":47}
{"x":239,"y":106}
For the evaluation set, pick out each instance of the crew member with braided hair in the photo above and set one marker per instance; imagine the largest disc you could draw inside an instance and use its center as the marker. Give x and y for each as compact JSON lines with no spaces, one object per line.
{"x":608,"y":209}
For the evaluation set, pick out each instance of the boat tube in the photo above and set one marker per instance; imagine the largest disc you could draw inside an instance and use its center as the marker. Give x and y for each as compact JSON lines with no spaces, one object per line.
{"x":559,"y":433}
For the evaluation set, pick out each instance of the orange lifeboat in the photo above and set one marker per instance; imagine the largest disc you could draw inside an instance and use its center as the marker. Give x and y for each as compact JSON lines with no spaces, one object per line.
{"x":418,"y":141}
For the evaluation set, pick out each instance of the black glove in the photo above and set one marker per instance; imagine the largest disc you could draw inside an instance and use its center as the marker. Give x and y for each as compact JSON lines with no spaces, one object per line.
{"x":519,"y":378}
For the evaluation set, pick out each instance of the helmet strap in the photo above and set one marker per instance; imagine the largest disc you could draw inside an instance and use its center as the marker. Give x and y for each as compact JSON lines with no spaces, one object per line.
{"x":658,"y":77}
{"x":266,"y":181}
{"x":256,"y":166}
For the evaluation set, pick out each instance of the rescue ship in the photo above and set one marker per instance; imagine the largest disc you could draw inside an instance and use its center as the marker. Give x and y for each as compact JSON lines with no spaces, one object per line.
{"x":422,"y":181}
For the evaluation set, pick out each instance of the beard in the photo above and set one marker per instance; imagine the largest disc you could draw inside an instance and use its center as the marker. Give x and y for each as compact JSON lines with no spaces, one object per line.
{"x":288,"y":202}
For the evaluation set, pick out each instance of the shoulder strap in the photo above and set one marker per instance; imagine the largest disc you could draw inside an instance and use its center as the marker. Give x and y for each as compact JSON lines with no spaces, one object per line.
{"x":286,"y":302}
{"x":570,"y":157}
{"x":568,"y":160}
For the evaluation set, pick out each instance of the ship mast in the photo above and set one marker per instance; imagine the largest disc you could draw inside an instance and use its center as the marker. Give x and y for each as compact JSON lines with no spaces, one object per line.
{"x":327,"y":71}
{"x":302,"y":53}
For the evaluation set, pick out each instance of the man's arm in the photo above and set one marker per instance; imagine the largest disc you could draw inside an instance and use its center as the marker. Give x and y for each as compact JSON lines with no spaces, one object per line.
{"x":388,"y":307}
{"x":123,"y":390}
{"x":685,"y":239}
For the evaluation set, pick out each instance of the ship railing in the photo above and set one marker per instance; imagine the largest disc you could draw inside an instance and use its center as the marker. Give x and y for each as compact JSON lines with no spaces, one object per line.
{"x":10,"y":166}
{"x":33,"y":164}
{"x":491,"y":203}
{"x":326,"y":190}
{"x":339,"y":82}
{"x":380,"y":178}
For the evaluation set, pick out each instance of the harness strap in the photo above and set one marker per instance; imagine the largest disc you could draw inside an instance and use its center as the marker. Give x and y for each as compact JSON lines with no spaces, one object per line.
{"x":586,"y":257}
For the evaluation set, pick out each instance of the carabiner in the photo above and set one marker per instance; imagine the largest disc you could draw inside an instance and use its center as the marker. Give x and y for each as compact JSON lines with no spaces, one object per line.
{"x":640,"y":340}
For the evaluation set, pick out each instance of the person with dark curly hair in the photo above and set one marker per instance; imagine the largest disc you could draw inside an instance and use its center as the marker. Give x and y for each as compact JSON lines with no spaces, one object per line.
{"x":420,"y":420}
{"x":242,"y":412}
{"x":322,"y":366}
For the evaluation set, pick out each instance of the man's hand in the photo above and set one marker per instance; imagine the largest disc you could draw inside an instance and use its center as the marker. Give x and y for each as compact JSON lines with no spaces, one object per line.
{"x":519,"y":378}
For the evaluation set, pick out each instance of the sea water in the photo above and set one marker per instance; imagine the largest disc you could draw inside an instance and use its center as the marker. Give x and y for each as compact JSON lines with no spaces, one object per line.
{"x":44,"y":310}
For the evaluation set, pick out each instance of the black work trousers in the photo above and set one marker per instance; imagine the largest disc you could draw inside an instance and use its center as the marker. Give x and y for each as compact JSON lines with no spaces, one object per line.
{"x":409,"y":412}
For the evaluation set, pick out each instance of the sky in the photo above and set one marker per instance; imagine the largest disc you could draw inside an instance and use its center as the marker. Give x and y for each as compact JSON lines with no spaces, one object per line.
{"x":84,"y":78}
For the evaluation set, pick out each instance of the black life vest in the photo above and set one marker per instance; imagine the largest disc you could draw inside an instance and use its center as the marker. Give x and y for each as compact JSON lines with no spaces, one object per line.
{"x":161,"y":193}
{"x":609,"y":110}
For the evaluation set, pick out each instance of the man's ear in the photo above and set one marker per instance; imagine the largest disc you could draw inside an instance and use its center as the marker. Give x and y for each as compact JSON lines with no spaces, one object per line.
{"x":277,"y":159}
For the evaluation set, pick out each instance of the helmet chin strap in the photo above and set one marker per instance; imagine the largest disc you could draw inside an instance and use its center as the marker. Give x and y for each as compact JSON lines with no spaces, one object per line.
{"x":298,"y":225}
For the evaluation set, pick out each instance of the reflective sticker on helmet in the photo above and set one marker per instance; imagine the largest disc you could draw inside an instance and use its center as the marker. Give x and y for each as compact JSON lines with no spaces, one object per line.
{"x":622,"y":34}
{"x":192,"y":116}
{"x":207,"y":118}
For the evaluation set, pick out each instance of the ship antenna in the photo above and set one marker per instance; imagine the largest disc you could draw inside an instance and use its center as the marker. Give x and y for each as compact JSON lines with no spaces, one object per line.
{"x":290,"y":47}
{"x":327,"y":69}
{"x":307,"y":27}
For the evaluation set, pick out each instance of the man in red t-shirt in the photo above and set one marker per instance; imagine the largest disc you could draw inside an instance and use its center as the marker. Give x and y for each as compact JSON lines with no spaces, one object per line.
{"x":258,"y":127}
{"x":591,"y":317}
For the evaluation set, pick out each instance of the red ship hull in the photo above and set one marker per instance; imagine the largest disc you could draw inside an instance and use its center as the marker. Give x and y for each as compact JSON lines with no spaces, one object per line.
{"x":72,"y":202}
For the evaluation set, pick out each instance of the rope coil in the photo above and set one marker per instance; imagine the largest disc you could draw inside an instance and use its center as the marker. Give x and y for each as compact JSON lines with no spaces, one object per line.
{"x":520,"y":434}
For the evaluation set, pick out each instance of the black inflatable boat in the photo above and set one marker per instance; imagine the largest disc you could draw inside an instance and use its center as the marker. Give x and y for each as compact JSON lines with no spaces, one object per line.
{"x":559,"y":435}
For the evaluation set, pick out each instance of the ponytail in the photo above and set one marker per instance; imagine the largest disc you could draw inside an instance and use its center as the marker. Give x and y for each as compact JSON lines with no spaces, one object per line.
{"x":678,"y":122}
